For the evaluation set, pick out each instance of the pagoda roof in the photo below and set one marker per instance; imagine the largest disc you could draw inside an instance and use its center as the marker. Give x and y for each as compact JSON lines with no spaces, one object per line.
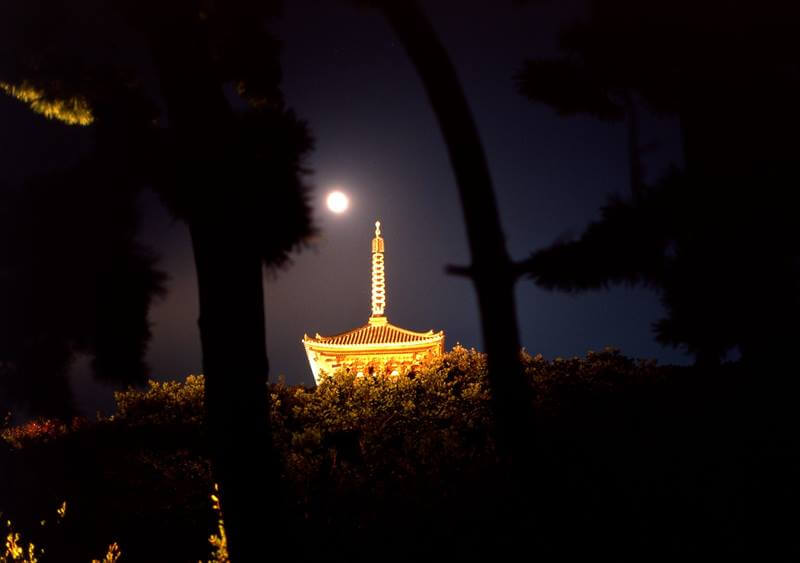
{"x":376,"y":334}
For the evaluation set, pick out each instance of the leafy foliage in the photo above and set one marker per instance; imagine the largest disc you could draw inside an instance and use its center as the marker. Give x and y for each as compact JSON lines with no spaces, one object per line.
{"x":716,"y":239}
{"x":73,"y":111}
{"x":165,"y":402}
{"x":233,"y":163}
{"x":218,"y":541}
{"x":34,"y":431}
{"x":106,"y":285}
{"x":17,"y":550}
{"x":406,"y":465}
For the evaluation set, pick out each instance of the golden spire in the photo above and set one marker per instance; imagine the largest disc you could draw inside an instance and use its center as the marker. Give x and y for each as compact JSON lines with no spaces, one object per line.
{"x":378,"y":278}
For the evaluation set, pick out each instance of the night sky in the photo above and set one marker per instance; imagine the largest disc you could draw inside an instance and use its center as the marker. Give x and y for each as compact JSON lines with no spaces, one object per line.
{"x":377,"y":139}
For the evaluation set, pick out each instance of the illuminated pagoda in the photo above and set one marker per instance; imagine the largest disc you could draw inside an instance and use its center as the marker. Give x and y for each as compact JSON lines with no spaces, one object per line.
{"x":376,"y":343}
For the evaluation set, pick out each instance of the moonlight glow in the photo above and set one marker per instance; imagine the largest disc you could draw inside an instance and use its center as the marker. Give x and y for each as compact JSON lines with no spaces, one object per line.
{"x":337,"y":202}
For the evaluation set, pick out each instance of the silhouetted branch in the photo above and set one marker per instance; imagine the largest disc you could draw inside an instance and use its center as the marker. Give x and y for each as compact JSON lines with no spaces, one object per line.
{"x":463,"y":271}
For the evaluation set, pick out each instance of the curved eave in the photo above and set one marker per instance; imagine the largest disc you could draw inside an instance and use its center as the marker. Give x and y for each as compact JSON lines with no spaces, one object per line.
{"x":388,"y":326}
{"x":434,"y":339}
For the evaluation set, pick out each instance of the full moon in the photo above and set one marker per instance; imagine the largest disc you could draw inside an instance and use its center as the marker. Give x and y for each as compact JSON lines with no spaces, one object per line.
{"x":337,"y":202}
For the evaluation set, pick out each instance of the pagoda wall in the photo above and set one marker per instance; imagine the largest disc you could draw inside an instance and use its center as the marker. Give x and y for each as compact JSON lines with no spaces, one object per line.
{"x":324,"y":362}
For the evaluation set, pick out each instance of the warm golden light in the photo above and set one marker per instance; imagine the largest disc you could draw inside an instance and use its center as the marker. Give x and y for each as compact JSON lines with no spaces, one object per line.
{"x":337,"y":201}
{"x":72,"y":111}
{"x":378,"y":274}
{"x":377,"y":345}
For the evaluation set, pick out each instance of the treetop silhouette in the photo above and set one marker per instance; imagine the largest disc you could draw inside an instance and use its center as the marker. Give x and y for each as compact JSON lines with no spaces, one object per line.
{"x":186,"y":99}
{"x":715,"y":238}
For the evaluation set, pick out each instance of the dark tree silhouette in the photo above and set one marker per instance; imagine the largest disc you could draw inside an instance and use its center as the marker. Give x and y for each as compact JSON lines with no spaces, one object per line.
{"x":226,"y":158}
{"x":73,"y":279}
{"x":716,"y":239}
{"x":235,"y":225}
{"x":77,"y":279}
{"x":491,"y":270}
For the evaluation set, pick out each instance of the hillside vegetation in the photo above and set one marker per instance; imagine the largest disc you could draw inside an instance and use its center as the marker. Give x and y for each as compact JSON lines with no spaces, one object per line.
{"x":634,"y":460}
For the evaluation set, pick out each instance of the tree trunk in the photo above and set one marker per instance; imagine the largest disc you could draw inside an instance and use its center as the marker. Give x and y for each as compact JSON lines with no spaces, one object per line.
{"x":236,"y":368}
{"x":231,"y":299}
{"x":492,"y":270}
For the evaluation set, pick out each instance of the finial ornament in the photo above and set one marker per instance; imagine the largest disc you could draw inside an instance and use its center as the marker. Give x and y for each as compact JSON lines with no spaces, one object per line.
{"x":378,"y":274}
